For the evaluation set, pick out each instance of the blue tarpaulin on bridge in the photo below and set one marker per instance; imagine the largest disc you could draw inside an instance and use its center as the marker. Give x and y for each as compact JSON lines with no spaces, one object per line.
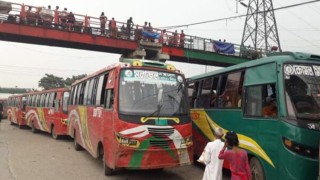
{"x":150,"y":34}
{"x":224,"y":47}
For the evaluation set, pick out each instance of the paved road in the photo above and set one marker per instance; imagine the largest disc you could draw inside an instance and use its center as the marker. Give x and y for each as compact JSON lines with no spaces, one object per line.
{"x":28,"y":156}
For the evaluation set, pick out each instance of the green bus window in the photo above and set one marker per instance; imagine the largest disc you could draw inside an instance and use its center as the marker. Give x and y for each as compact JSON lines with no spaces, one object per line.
{"x":213,"y":96}
{"x":229,"y":90}
{"x":253,"y":105}
{"x":261,"y":101}
{"x":204,"y":98}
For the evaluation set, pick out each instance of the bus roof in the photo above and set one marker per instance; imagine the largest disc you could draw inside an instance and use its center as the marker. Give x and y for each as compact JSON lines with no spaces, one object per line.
{"x":47,"y":91}
{"x":272,"y":57}
{"x":127,"y":62}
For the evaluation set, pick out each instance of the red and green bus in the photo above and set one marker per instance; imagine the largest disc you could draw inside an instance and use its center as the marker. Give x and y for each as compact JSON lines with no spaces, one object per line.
{"x":133,"y":114}
{"x":281,"y":145}
{"x":16,"y":110}
{"x":47,"y":111}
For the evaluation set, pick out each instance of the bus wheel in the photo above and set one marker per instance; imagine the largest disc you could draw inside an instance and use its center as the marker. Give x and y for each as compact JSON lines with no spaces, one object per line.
{"x":107,"y":170}
{"x":53,"y":133}
{"x":256,"y":169}
{"x":77,"y":146}
{"x":33,"y":128}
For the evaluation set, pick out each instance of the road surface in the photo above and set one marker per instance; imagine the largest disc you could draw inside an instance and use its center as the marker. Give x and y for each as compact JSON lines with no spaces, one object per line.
{"x":28,"y":156}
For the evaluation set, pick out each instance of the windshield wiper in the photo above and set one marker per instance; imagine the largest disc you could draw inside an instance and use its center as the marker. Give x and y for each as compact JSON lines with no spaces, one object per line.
{"x":159,"y":106}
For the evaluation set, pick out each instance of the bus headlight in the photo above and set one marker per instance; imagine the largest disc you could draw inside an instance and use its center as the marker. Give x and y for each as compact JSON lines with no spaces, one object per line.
{"x":299,"y":148}
{"x":188,"y":141}
{"x":171,"y":67}
{"x":136,"y":63}
{"x":127,"y":141}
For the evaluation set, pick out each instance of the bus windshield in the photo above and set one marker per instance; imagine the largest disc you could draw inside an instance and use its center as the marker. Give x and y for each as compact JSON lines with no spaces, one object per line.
{"x":152,"y":93}
{"x":302,"y":84}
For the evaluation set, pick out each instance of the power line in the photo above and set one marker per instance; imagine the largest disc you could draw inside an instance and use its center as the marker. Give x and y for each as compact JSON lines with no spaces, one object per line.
{"x":239,"y":16}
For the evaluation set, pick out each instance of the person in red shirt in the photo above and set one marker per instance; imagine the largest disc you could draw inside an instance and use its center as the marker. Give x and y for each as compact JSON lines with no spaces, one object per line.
{"x":236,"y":157}
{"x":182,"y":36}
{"x":114,"y":30}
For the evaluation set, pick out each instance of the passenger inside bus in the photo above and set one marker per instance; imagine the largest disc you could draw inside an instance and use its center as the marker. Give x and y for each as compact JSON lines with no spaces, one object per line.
{"x":213,"y":99}
{"x":270,"y":108}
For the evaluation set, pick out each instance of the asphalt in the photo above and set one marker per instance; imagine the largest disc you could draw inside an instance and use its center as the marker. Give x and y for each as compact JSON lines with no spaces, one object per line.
{"x":6,"y":170}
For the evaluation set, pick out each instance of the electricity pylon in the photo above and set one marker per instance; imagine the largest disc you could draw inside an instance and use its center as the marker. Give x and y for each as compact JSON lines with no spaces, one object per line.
{"x":260,"y":29}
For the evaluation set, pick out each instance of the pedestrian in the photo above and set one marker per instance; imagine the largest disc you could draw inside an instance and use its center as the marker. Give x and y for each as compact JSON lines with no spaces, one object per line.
{"x":145,"y":26}
{"x":150,"y":28}
{"x":103,"y":21}
{"x":182,"y":36}
{"x":162,"y":36}
{"x":71,"y":21}
{"x":213,"y":170}
{"x":237,"y":158}
{"x":56,"y":17}
{"x":63,"y":17}
{"x":113,"y":25}
{"x":145,"y":29}
{"x":130,"y":24}
{"x":175,"y":38}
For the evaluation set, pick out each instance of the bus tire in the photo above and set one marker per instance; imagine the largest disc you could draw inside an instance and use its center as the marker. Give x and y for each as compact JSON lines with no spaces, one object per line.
{"x":256,"y":168}
{"x":53,"y":133}
{"x":33,"y":128}
{"x":107,"y":170}
{"x":77,"y":146}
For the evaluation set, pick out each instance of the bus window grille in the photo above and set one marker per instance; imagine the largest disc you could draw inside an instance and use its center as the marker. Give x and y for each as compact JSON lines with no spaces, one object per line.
{"x":161,"y":132}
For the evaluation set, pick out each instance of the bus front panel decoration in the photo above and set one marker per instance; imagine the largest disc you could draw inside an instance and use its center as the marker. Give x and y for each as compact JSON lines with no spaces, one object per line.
{"x":132,"y":115}
{"x":273,"y":104}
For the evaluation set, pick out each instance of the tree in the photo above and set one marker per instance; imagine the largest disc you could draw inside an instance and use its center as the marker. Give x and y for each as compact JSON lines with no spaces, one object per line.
{"x":69,"y":81}
{"x":51,"y":81}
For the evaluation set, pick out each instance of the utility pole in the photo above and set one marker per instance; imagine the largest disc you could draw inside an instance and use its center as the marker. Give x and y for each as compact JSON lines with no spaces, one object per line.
{"x":260,"y":29}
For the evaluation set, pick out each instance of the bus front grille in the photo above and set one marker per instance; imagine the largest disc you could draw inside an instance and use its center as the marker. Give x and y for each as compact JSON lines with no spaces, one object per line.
{"x":160,"y":132}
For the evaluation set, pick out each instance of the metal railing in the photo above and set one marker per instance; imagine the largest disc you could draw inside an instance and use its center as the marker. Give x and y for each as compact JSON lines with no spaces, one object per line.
{"x":41,"y":16}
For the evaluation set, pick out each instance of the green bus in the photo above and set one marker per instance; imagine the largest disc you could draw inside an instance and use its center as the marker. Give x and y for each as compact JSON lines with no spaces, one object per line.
{"x":273,"y":104}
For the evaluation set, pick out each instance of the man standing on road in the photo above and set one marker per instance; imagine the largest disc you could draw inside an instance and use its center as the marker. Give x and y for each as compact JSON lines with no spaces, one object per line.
{"x":213,"y":164}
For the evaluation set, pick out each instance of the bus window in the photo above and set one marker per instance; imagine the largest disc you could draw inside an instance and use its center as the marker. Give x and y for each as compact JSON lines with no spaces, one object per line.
{"x":90,"y":89}
{"x":81,"y":95}
{"x":24,"y":103}
{"x":77,"y":95}
{"x":213,"y":95}
{"x":94,"y":91}
{"x":229,"y":90}
{"x":34,"y":100}
{"x":261,"y":101}
{"x":72,"y":91}
{"x":253,"y":105}
{"x":101,"y":89}
{"x":194,"y":100}
{"x":38,"y":100}
{"x":204,"y":98}
{"x":42,"y":100}
{"x":51,"y":99}
{"x":65,"y":102}
{"x":109,"y":99}
{"x":56,"y":102}
{"x":86,"y":91}
{"x":46,"y":103}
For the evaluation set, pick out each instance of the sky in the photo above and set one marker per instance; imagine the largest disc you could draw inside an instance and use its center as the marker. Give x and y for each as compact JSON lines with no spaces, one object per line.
{"x":23,"y":65}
